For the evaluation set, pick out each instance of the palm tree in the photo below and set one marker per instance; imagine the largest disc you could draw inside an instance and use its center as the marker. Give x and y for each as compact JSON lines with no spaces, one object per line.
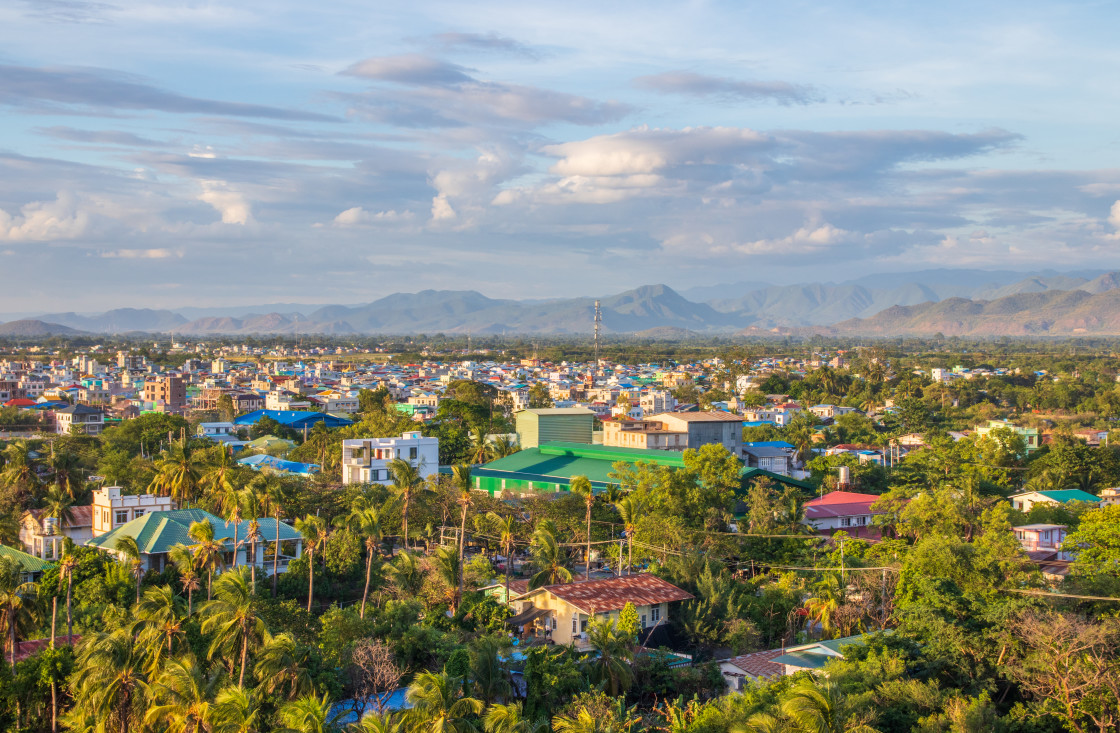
{"x":509,"y":719}
{"x":462,"y":477}
{"x":180,"y":555}
{"x":489,"y":674}
{"x":176,"y":474}
{"x":631,"y":509}
{"x":406,"y":480}
{"x":17,"y":604}
{"x":65,"y":466}
{"x":315,"y":533}
{"x":506,"y":527}
{"x":182,"y":692}
{"x":109,"y":683}
{"x":218,"y":477}
{"x":548,"y":557}
{"x":129,"y":553}
{"x":232,"y":619}
{"x":309,"y":714}
{"x":282,"y":666}
{"x":208,"y":552}
{"x":272,"y":493}
{"x":19,"y":466}
{"x":66,"y":567}
{"x":480,"y":447}
{"x":384,"y":722}
{"x":447,"y":567}
{"x":159,"y":620}
{"x":365,"y":520}
{"x":438,"y":704}
{"x":502,"y":446}
{"x":820,"y":707}
{"x":406,"y":575}
{"x":822,"y":607}
{"x":581,"y":486}
{"x":611,"y":667}
{"x":230,"y":504}
{"x":60,"y":507}
{"x":235,"y":710}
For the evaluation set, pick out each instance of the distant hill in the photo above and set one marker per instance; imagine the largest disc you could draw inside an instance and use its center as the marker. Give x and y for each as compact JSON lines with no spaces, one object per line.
{"x":121,"y":320}
{"x":1050,"y":313}
{"x":31,"y":328}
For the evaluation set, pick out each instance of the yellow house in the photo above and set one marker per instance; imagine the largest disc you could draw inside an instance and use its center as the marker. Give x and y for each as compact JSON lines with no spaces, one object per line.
{"x":562,"y":612}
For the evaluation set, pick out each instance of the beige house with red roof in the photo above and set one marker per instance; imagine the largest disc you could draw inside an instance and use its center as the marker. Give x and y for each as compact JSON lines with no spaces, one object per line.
{"x":563,"y":612}
{"x":41,"y":536}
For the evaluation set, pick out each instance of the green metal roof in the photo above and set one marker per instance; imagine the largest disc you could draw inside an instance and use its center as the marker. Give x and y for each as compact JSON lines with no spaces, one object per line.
{"x":29,"y":563}
{"x":158,"y":532}
{"x":565,"y":460}
{"x":750,"y":474}
{"x":803,"y":660}
{"x":1065,"y":495}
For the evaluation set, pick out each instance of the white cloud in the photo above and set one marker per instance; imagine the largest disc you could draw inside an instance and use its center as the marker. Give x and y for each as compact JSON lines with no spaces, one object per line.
{"x":231,"y":204}
{"x":142,"y":254}
{"x":441,"y":208}
{"x":357,"y":216}
{"x":648,"y":150}
{"x":45,"y":220}
{"x":1114,"y":216}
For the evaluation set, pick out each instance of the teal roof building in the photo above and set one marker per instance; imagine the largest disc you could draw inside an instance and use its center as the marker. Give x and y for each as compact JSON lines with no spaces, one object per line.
{"x":31,"y":567}
{"x":157,"y":532}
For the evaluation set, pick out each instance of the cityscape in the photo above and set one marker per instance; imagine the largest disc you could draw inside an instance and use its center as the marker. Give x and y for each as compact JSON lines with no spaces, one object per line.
{"x":710,"y":367}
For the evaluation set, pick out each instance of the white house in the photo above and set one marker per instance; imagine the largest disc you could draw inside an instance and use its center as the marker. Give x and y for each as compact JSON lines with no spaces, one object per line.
{"x":88,"y":420}
{"x":1026,"y":500}
{"x":111,"y":508}
{"x":366,"y":460}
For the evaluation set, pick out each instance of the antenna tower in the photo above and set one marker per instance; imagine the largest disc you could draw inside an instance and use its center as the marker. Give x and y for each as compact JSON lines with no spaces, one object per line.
{"x":598,"y":325}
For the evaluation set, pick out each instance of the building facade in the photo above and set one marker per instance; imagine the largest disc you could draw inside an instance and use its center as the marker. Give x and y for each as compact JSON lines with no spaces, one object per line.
{"x":366,"y":460}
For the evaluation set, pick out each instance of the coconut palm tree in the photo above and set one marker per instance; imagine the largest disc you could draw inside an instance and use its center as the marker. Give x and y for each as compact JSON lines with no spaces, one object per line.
{"x":385,"y":722}
{"x":365,"y":521}
{"x":581,"y":487}
{"x":217,"y":479}
{"x":66,"y":566}
{"x":19,"y":466}
{"x":510,"y":719}
{"x":59,"y":505}
{"x":230,"y":503}
{"x":18,"y":610}
{"x":406,"y":575}
{"x":446,"y":565}
{"x":129,"y":553}
{"x":631,"y":509}
{"x":309,"y":714}
{"x":502,"y":446}
{"x":236,"y":710}
{"x":822,"y":607}
{"x":406,"y":481}
{"x":549,"y":558}
{"x":480,"y":447}
{"x":180,"y":555}
{"x":109,"y":683}
{"x":177,"y":474}
{"x":820,"y":707}
{"x":158,"y":621}
{"x":438,"y":703}
{"x":272,"y":493}
{"x":65,"y":465}
{"x":232,"y":618}
{"x":506,"y":528}
{"x":315,"y":533}
{"x":181,"y":696}
{"x":282,"y":666}
{"x":611,"y":666}
{"x":462,"y":477}
{"x":489,"y":674}
{"x":208,"y":551}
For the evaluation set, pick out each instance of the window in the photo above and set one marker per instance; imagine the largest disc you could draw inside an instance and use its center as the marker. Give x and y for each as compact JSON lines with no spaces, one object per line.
{"x":644,"y":624}
{"x":861,"y":520}
{"x":121,"y":516}
{"x":655,"y":613}
{"x":845,"y":521}
{"x":575,"y":624}
{"x":138,"y":513}
{"x":412,"y":452}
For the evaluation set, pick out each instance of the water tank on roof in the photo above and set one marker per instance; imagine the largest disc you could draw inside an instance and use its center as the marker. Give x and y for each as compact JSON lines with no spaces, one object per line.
{"x":845,"y":478}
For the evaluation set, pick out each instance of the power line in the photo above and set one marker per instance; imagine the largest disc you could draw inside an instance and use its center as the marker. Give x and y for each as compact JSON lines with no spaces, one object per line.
{"x":1048,"y":594}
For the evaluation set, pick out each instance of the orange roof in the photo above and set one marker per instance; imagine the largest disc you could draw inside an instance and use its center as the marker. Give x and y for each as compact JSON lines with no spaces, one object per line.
{"x":611,"y":594}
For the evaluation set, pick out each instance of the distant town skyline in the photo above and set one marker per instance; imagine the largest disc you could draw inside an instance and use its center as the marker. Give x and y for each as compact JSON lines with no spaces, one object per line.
{"x":195,"y":154}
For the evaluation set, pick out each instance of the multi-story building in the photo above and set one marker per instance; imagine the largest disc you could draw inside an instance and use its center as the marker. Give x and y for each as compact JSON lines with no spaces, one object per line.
{"x":83,"y":418}
{"x":565,"y":424}
{"x":111,"y":508}
{"x":1030,"y":436}
{"x":706,"y":428}
{"x":646,"y":434}
{"x":168,"y":392}
{"x":366,"y":460}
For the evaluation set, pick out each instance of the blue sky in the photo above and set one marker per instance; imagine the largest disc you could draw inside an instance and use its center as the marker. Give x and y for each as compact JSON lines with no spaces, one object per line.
{"x":161,"y":154}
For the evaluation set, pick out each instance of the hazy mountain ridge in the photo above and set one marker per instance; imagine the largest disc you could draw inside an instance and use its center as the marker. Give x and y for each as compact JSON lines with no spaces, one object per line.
{"x":1038,"y":303}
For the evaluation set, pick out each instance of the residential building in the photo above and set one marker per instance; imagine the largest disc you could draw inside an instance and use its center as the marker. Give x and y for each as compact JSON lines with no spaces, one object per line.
{"x":41,"y":535}
{"x":738,"y":672}
{"x":706,"y":428}
{"x":1025,"y":501}
{"x":1110,"y":497}
{"x":81,"y":418}
{"x":284,"y":400}
{"x":642,"y":434}
{"x":829,"y":412}
{"x":111,"y":508}
{"x":1031,"y":436}
{"x":1042,"y":538}
{"x":366,"y":460}
{"x":214,"y":430}
{"x":842,"y":510}
{"x":815,"y":655}
{"x":157,"y":532}
{"x":554,"y":424}
{"x":769,"y":458}
{"x":168,"y":393}
{"x":657,"y":401}
{"x":562,"y":613}
{"x":30,"y":567}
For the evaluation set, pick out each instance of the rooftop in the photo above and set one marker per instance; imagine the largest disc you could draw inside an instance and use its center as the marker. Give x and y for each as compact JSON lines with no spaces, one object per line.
{"x":611,"y":594}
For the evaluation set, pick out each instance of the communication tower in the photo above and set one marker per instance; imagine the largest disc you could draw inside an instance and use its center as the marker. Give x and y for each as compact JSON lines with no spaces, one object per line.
{"x":598,"y":325}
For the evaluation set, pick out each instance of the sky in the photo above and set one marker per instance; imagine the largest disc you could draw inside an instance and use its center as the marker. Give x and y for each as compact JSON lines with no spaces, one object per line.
{"x":162,"y":154}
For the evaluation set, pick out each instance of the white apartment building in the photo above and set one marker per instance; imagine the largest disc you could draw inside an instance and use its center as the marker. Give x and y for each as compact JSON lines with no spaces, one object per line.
{"x":111,"y":509}
{"x":657,"y":401}
{"x":366,"y":460}
{"x":281,"y":400}
{"x":88,"y":420}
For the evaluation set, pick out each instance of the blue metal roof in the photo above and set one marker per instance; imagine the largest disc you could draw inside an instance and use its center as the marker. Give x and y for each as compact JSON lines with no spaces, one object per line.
{"x":292,"y":418}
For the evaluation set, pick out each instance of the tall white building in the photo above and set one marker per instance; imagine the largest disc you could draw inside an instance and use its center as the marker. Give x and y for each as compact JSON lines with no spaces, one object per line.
{"x":366,"y":460}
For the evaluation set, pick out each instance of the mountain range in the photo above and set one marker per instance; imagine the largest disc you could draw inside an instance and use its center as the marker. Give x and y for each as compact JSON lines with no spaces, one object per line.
{"x":952,"y":302}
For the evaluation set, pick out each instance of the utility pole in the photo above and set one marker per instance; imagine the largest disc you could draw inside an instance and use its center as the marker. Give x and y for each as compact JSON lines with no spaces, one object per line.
{"x":598,"y":326}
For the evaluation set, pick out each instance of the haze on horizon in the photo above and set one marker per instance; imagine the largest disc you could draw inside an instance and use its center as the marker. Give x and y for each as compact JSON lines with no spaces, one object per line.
{"x":188,"y":154}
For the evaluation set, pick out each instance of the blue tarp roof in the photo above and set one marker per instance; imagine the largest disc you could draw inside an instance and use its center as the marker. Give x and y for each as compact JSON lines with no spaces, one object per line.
{"x":278,"y":464}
